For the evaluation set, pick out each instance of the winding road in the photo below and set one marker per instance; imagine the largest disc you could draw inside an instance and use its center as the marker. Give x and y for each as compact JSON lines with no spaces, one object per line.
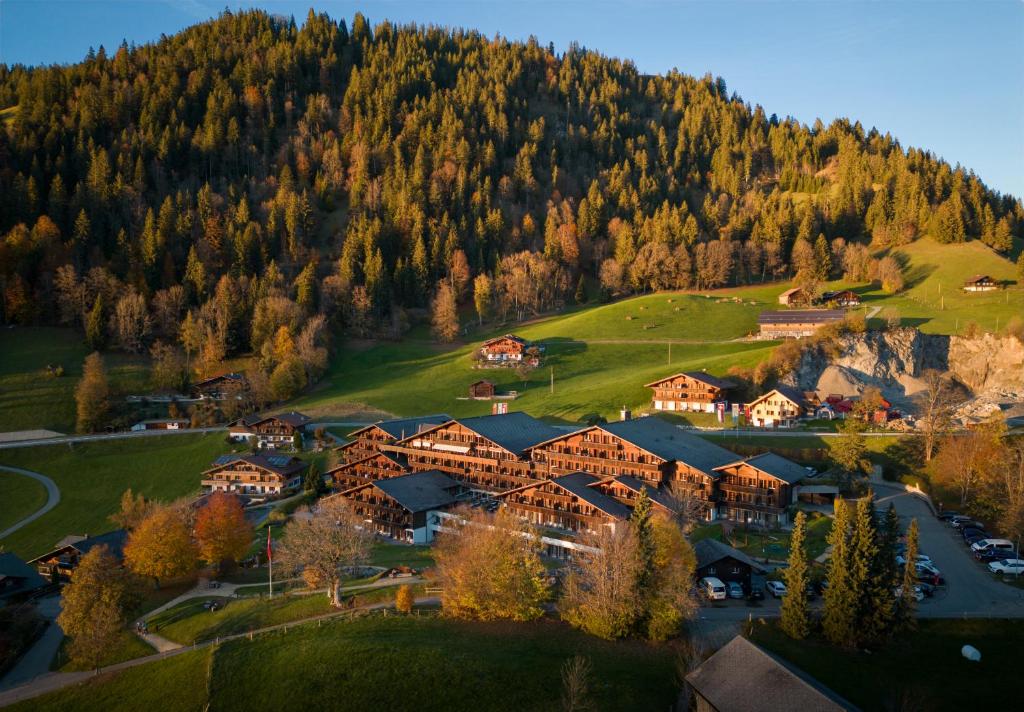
{"x":52,"y":497}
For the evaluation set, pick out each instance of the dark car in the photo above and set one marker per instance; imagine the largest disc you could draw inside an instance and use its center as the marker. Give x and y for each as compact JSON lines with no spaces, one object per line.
{"x":975,"y":534}
{"x":756,"y":588}
{"x":926,"y":588}
{"x":948,"y":514}
{"x":992,"y":554}
{"x":962,"y":524}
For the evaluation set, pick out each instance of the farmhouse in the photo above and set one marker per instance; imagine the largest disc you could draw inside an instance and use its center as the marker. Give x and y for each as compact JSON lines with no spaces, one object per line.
{"x":509,"y":350}
{"x":796,"y":323}
{"x":481,"y":389}
{"x":742,"y":677}
{"x":254,"y":474}
{"x":570,"y":502}
{"x":778,"y":408}
{"x":219,"y":387}
{"x":367,"y":440}
{"x":58,"y":564}
{"x":980,"y":283}
{"x":693,"y":390}
{"x":720,"y":560}
{"x":793,"y":297}
{"x":398,"y":507}
{"x":17,"y":578}
{"x":758,"y":490}
{"x":841,"y":298}
{"x":165,"y":424}
{"x":269,"y":430}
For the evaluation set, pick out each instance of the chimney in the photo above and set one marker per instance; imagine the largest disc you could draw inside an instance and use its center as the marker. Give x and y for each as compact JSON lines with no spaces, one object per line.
{"x":625,"y":414}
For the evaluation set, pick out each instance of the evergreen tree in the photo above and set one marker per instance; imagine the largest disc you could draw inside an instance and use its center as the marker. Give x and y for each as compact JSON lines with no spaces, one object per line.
{"x":313,"y":481}
{"x":92,"y":394}
{"x":445,"y":317}
{"x":840,"y":615}
{"x":822,"y":258}
{"x":906,"y":604}
{"x":795,"y":620}
{"x":874,"y":599}
{"x":96,"y":325}
{"x":581,"y":291}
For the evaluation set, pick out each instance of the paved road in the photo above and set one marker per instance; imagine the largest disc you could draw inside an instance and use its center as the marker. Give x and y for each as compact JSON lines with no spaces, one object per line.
{"x":36,"y":661}
{"x":52,"y":497}
{"x":106,"y":436}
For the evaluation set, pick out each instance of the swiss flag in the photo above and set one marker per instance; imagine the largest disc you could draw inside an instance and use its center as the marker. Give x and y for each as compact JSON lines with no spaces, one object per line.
{"x":270,"y":548}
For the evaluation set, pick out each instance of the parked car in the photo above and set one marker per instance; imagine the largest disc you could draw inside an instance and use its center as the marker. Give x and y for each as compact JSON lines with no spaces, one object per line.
{"x":777,"y":588}
{"x":712,"y":588}
{"x":957,"y":518}
{"x":812,"y":593}
{"x":926,"y":588}
{"x":927,"y":572}
{"x":918,"y":594}
{"x":975,"y":538}
{"x":734,"y":590}
{"x":921,"y":559}
{"x":756,"y":588}
{"x":1007,"y":567}
{"x":992,"y":555}
{"x":821,"y":587}
{"x":947,"y":514}
{"x":997,"y":544}
{"x":962,"y":524}
{"x":973,"y":531}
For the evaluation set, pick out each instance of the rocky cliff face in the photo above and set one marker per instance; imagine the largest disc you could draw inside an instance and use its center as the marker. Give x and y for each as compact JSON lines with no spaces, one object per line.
{"x":894,"y":361}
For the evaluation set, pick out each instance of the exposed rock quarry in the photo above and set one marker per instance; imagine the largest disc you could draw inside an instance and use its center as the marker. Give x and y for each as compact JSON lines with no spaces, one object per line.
{"x":990,"y":368}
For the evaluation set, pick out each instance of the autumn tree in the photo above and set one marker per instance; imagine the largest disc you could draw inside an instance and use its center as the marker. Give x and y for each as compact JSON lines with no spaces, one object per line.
{"x":321,"y":545}
{"x":92,"y":394}
{"x":795,"y":616}
{"x":849,"y":450}
{"x":936,"y":409}
{"x":222,"y":531}
{"x":161,"y":546}
{"x":483,"y":297}
{"x":490,"y":568}
{"x":404,"y":599}
{"x":444,"y":314}
{"x":169,"y":370}
{"x":134,"y":510}
{"x":95,"y":606}
{"x":576,"y":684}
{"x":674,"y":562}
{"x":600,"y":593}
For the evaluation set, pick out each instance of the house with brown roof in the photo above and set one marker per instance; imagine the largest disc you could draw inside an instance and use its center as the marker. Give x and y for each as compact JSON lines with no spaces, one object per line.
{"x":58,"y":564}
{"x":841,"y":298}
{"x":780,"y":407}
{"x":689,"y":391}
{"x":743,"y":677}
{"x":794,"y":297}
{"x":399,"y":507}
{"x":254,"y":474}
{"x":269,"y":430}
{"x":509,"y":350}
{"x":980,"y":283}
{"x":571,"y":503}
{"x":220,"y":387}
{"x":758,"y":490}
{"x":796,"y":323}
{"x":483,"y":389}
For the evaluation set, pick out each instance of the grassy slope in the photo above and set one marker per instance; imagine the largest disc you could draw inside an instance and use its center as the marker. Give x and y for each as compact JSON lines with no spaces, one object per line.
{"x":127,"y":647}
{"x":189,"y":622}
{"x":20,"y":496}
{"x":31,"y":399}
{"x":93,"y":476}
{"x":926,"y":666}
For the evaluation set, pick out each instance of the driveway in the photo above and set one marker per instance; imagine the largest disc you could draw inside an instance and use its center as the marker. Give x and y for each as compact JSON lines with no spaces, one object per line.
{"x":36,"y":661}
{"x":52,"y":498}
{"x":970,"y":591}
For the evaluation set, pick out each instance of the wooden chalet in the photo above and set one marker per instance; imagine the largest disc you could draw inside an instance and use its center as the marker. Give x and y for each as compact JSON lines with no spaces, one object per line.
{"x":693,"y":390}
{"x":482,"y":389}
{"x":398,"y":507}
{"x":18,"y":580}
{"x":980,"y":283}
{"x":841,"y":298}
{"x":569,"y":502}
{"x":796,"y":323}
{"x":489,"y":452}
{"x":509,"y":350}
{"x":58,"y":564}
{"x":367,"y":440}
{"x":625,"y":490}
{"x":219,"y":387}
{"x":742,"y":677}
{"x":757,"y":490}
{"x":269,"y":430}
{"x":378,"y":466}
{"x":254,"y":474}
{"x":715,"y":558}
{"x":780,"y":407}
{"x":794,"y":297}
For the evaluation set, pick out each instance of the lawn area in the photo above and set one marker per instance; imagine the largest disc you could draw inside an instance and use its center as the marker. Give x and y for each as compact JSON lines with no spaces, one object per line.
{"x":127,"y":647}
{"x":92,"y":476}
{"x":30,"y":398}
{"x":189,"y":622}
{"x":924,"y":670}
{"x":21,"y":496}
{"x":388,"y":555}
{"x":773,"y":544}
{"x":424,"y":662}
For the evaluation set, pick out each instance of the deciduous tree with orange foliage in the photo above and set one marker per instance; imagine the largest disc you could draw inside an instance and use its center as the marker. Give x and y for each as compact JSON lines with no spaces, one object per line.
{"x":222,"y":531}
{"x":161,"y":546}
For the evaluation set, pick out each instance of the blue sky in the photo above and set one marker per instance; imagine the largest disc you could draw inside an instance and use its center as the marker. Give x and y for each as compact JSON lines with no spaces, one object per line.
{"x":945,"y":76}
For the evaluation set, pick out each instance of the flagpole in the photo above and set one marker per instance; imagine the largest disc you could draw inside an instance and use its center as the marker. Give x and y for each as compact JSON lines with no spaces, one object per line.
{"x":270,"y":562}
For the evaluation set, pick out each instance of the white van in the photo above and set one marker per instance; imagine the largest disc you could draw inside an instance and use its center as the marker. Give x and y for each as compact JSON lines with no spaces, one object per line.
{"x":712,"y":588}
{"x":993,"y":545}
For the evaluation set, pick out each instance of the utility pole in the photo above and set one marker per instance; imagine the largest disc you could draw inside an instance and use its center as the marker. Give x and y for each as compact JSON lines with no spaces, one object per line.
{"x":669,"y":353}
{"x":552,"y":379}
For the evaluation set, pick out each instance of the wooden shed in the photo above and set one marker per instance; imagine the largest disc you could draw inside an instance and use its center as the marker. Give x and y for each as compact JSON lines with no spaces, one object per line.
{"x":481,"y":389}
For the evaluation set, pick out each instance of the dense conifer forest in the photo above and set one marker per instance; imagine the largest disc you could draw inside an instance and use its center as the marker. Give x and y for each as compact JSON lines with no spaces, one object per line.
{"x":251,"y":184}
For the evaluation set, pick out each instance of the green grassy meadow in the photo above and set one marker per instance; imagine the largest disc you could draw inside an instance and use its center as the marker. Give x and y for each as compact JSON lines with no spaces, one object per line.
{"x":393,"y":662}
{"x":92,"y":476}
{"x":188,"y":622}
{"x":21,"y":496}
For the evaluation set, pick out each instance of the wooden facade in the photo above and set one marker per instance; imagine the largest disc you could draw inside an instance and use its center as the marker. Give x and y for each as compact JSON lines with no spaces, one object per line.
{"x":398,"y":507}
{"x":842,"y":298}
{"x":368,"y":440}
{"x":58,"y":564}
{"x":778,"y":408}
{"x":481,"y":389}
{"x":980,"y":283}
{"x":796,"y":323}
{"x":269,"y":430}
{"x":569,"y":503}
{"x":758,"y":490}
{"x":692,"y":391}
{"x":377,"y":466}
{"x":508,"y":348}
{"x":220,"y":387}
{"x":601,"y":453}
{"x":254,"y":474}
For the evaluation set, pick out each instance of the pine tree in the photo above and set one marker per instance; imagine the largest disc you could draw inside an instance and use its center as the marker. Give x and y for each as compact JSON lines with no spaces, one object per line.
{"x":92,"y":394}
{"x":795,"y":619}
{"x":313,"y":481}
{"x":839,"y":619}
{"x":640,"y":521}
{"x":96,"y":326}
{"x":581,"y":291}
{"x":906,"y":604}
{"x":445,"y":317}
{"x":483,"y":296}
{"x":822,"y":258}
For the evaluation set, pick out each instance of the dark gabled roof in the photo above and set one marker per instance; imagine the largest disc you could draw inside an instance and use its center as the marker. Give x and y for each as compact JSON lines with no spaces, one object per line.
{"x":793,"y":394}
{"x":656,"y":495}
{"x":396,"y":458}
{"x":741,"y":677}
{"x":709,"y":551}
{"x":293,"y":418}
{"x":401,"y":428}
{"x":515,"y":431}
{"x":482,"y":380}
{"x":113,"y":540}
{"x":697,"y":376}
{"x":840,"y":293}
{"x":579,"y":484}
{"x":11,"y":566}
{"x":420,"y":491}
{"x":518,"y":339}
{"x":801,"y":316}
{"x":238,"y":377}
{"x":668,"y":442}
{"x":778,"y":467}
{"x":283,"y":465}
{"x":978,"y":278}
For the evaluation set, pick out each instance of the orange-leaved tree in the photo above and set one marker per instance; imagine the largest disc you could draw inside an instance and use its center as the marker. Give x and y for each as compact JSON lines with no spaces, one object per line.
{"x":222,"y":531}
{"x":161,"y":546}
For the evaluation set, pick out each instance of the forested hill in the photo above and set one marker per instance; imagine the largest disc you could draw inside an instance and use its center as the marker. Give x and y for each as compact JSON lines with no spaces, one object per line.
{"x":255,"y":172}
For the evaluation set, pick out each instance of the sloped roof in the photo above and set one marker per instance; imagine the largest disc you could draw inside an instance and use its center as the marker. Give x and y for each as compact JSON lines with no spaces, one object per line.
{"x":801,"y":316}
{"x":512,"y":337}
{"x":668,"y":442}
{"x":239,"y":377}
{"x":515,"y":431}
{"x":697,"y":376}
{"x":655,"y":494}
{"x":113,"y":540}
{"x":292,"y":418}
{"x":279,"y":464}
{"x":709,"y":551}
{"x":791,"y":291}
{"x":11,"y":566}
{"x":742,"y":677}
{"x":793,"y":394}
{"x":394,"y":457}
{"x":401,"y":428}
{"x":776,"y":466}
{"x":419,"y":491}
{"x":978,"y":278}
{"x":579,"y":484}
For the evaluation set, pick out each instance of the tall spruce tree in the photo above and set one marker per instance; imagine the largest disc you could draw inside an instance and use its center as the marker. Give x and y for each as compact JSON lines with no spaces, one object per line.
{"x":643,"y":530}
{"x":906,"y":604}
{"x":795,"y":616}
{"x":839,"y":620}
